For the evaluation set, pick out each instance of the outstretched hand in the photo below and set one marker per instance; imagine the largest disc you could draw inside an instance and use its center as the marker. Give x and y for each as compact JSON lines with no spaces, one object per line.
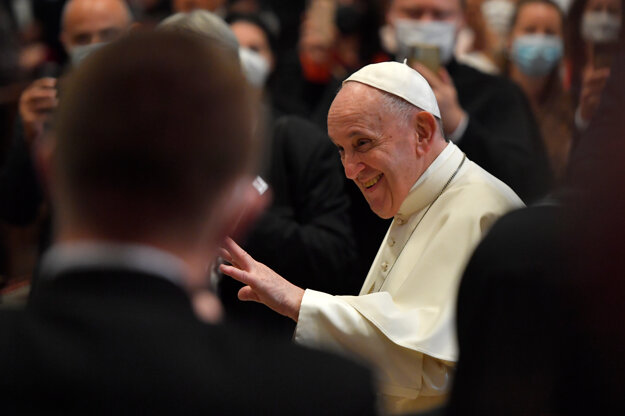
{"x":263,"y":284}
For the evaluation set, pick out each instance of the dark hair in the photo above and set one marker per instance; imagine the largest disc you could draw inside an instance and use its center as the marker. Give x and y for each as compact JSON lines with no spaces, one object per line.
{"x":150,"y":131}
{"x":257,"y":20}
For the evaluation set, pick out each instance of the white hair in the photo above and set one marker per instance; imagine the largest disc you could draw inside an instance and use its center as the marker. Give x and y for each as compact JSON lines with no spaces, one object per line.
{"x":203,"y":23}
{"x":402,"y":109}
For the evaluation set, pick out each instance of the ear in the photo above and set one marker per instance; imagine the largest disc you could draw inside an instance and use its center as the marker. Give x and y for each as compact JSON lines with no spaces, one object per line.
{"x":425,"y":129}
{"x":64,"y":39}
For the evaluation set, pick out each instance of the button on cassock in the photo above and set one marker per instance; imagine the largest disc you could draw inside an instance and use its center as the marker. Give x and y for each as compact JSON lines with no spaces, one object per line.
{"x":384,"y":266}
{"x":391,"y":242}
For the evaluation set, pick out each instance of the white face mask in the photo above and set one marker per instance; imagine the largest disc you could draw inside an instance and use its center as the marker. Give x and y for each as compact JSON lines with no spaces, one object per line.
{"x":498,"y":15}
{"x":565,"y":5}
{"x":255,"y":66}
{"x":600,"y":27}
{"x":78,"y":53}
{"x":435,"y":33}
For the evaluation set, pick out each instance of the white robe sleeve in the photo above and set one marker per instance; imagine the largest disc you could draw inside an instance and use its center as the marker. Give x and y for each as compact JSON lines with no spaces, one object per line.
{"x":402,"y":372}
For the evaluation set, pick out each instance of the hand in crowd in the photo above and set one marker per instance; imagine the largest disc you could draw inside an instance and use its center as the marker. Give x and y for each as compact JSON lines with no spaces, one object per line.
{"x":446,"y":95}
{"x":593,"y":82}
{"x":263,"y":284}
{"x":36,"y":105}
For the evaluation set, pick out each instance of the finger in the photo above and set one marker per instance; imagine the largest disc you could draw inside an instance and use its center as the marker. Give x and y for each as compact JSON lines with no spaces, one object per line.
{"x":246,"y":293}
{"x":237,"y":274}
{"x":225,"y":254}
{"x":47,"y":82}
{"x":43,"y":104}
{"x":238,"y":255}
{"x":39,"y":93}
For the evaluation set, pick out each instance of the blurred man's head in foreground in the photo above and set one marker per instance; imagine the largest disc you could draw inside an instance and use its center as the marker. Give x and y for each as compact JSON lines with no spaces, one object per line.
{"x":152,"y":141}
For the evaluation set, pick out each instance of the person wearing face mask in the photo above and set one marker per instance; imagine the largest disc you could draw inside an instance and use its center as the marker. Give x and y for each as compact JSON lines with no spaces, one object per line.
{"x":487,"y":116}
{"x":498,"y":15}
{"x":595,"y":27}
{"x":476,"y":42}
{"x":535,"y":50}
{"x":85,"y":26}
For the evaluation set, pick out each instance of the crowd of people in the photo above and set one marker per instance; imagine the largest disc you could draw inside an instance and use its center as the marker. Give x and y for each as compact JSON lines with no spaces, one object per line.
{"x":314,"y":207}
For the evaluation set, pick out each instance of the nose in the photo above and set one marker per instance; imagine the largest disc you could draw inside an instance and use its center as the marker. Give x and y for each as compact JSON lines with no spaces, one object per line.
{"x":427,"y":16}
{"x":352,"y":165}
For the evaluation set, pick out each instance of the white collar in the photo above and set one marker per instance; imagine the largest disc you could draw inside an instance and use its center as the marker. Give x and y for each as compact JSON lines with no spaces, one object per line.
{"x":431,"y":182}
{"x":96,"y":254}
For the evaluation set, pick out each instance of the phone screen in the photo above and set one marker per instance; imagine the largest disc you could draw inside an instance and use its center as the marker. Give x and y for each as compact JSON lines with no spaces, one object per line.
{"x":427,"y":55}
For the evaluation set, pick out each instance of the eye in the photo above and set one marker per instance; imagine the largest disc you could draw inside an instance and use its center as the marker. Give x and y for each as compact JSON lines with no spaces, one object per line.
{"x":82,"y":38}
{"x":360,"y":143}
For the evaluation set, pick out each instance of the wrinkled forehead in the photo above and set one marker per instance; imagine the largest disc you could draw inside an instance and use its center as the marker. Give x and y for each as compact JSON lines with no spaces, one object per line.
{"x":95,"y":14}
{"x":354,"y":97}
{"x":413,"y":8}
{"x":357,"y":104}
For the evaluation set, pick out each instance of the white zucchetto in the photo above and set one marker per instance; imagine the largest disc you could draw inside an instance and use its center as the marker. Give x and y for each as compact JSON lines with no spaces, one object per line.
{"x":400,"y":80}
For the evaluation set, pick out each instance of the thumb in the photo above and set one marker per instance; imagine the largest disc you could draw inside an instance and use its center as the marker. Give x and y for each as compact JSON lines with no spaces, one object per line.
{"x":246,"y":293}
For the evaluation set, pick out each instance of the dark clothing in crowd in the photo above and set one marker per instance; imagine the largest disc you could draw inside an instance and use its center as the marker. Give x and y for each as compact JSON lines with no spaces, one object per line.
{"x":305,"y":235}
{"x":20,"y":190}
{"x":502,"y":135}
{"x":104,"y":340}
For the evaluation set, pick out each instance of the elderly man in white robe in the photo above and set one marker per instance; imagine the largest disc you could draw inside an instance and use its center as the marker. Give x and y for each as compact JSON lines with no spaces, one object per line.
{"x":387,"y":127}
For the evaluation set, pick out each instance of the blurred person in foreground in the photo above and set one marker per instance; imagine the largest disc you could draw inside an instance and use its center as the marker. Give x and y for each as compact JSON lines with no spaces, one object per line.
{"x":147,"y":175}
{"x":305,"y":231}
{"x":536,"y":48}
{"x":487,"y":116}
{"x":540,"y":308}
{"x":386,"y":125}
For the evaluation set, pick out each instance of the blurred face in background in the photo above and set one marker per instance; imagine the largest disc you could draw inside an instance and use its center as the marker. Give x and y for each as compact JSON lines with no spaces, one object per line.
{"x":537,"y":19}
{"x":190,"y":5}
{"x":252,"y":37}
{"x":93,"y":21}
{"x":425,"y":10}
{"x":255,"y":52}
{"x":601,"y":22}
{"x":536,"y":45}
{"x":430,"y":22}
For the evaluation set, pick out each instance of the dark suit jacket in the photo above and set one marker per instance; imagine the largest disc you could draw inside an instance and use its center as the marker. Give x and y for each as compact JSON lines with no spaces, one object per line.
{"x":119,"y":342}
{"x":502,"y":135}
{"x":305,"y":235}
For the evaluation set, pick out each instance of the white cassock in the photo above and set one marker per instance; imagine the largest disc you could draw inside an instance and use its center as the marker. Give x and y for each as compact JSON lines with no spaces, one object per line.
{"x":402,"y":323}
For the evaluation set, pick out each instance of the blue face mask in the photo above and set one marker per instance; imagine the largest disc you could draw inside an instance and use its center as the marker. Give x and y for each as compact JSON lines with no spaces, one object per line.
{"x":537,"y":55}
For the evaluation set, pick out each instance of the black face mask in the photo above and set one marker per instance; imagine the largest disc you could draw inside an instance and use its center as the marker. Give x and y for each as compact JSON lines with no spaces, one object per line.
{"x":349,"y":20}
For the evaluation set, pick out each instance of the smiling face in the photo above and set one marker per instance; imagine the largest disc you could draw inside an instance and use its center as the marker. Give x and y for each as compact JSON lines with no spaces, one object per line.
{"x":378,"y":149}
